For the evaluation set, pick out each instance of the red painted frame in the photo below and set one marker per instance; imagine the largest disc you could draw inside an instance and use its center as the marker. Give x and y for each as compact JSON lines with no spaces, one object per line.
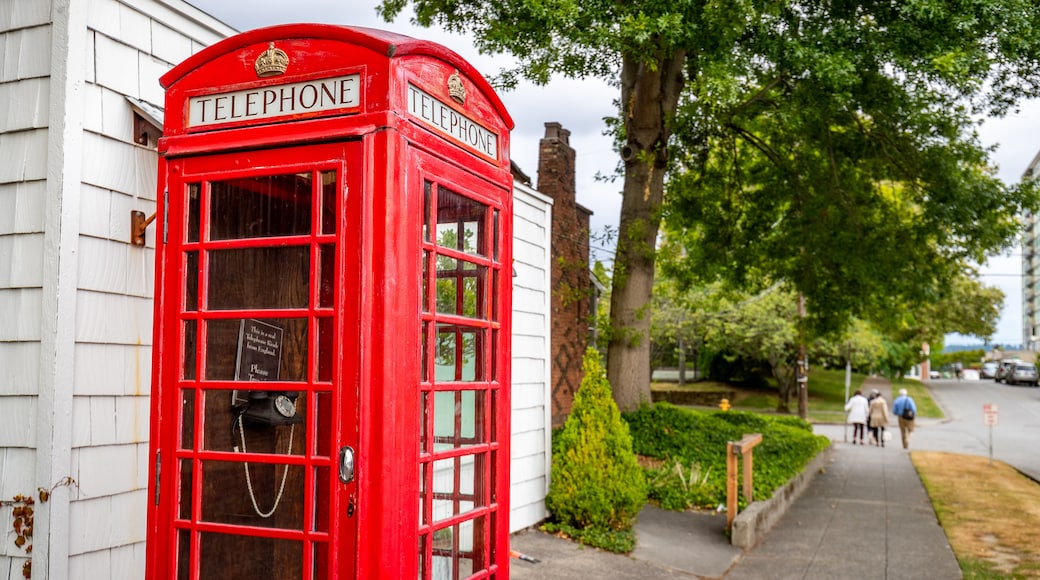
{"x":385,"y":155}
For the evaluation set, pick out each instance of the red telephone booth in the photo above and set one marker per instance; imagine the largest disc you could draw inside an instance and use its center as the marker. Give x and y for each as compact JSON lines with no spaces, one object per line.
{"x":330,"y":393}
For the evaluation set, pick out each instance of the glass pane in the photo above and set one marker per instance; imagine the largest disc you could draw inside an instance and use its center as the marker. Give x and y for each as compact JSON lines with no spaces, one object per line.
{"x":458,"y":419}
{"x":190,"y":348}
{"x":323,"y":412}
{"x":329,"y":202}
{"x":260,"y":207}
{"x":447,"y":285}
{"x":423,"y":341}
{"x":257,"y":349}
{"x":187,"y":418}
{"x":424,"y":414}
{"x":460,"y":223}
{"x":494,"y":294}
{"x":457,"y":485}
{"x":191,"y":281}
{"x":458,"y":348}
{"x":427,"y":207}
{"x":231,"y":557}
{"x":186,"y":483}
{"x":326,"y":349}
{"x":425,"y":299}
{"x":183,"y":555}
{"x":422,"y":555}
{"x":458,"y":551}
{"x":262,"y":495}
{"x":423,"y":512}
{"x":192,"y":234}
{"x":327,"y":267}
{"x":443,"y":549}
{"x":494,"y":235}
{"x":460,"y":288}
{"x":320,"y":514}
{"x":251,"y":278}
{"x":321,"y":560}
{"x":256,"y":421}
{"x":494,"y":355}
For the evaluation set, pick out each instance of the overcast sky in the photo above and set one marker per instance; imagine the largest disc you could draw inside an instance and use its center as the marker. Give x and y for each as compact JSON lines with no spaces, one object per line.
{"x":581,"y":105}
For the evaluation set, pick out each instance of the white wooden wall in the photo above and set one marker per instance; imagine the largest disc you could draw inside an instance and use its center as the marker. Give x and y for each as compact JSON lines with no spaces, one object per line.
{"x":76,"y":298}
{"x":531,"y":455}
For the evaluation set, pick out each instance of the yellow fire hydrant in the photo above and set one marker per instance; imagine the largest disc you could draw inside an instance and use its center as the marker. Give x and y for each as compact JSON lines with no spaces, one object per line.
{"x":724,"y":404}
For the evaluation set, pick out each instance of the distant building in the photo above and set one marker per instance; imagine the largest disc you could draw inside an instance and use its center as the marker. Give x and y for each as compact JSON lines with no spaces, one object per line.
{"x":1031,"y":270}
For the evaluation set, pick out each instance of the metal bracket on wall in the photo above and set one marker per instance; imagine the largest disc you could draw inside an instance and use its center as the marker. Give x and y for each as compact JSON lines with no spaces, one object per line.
{"x":138,"y":225}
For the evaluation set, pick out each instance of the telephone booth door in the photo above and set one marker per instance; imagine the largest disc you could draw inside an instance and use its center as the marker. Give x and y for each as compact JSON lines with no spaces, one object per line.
{"x":330,"y":383}
{"x":263,"y":442}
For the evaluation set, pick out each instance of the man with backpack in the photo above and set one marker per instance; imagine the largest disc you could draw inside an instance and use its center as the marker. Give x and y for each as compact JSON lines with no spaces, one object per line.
{"x":905,"y":408}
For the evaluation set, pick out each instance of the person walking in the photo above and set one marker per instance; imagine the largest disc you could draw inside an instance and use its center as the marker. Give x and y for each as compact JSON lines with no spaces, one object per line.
{"x":878,"y":417}
{"x":906,"y":410}
{"x":857,"y":408}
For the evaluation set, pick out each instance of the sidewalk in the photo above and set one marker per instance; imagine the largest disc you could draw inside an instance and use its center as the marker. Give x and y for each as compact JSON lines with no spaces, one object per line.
{"x":865,"y":516}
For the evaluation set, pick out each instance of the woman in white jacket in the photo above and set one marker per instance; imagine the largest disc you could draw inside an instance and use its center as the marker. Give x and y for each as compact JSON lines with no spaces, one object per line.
{"x":857,"y":408}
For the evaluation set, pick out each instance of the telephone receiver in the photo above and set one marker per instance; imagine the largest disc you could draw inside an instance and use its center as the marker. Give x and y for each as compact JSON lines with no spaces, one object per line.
{"x":266,"y":408}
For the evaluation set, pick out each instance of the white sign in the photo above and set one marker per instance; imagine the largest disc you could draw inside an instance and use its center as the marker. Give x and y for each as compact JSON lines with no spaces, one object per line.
{"x":989,"y":414}
{"x":450,"y":122}
{"x":272,"y":102}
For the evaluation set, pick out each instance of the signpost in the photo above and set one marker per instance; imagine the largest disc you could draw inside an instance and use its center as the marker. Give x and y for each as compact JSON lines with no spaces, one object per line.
{"x":989,"y":418}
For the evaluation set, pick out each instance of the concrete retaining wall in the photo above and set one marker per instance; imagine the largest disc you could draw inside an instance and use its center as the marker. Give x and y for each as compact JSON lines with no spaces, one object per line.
{"x":757,"y":519}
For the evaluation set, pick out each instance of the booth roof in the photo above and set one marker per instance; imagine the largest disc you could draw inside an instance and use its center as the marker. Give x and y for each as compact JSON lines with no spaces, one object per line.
{"x":391,"y":44}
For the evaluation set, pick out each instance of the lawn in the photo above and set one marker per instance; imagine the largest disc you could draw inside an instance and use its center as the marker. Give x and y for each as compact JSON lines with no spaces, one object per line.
{"x":989,"y":511}
{"x":826,"y":395}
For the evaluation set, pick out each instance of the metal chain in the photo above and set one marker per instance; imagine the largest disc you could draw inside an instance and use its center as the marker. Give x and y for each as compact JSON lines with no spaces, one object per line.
{"x":249,"y":482}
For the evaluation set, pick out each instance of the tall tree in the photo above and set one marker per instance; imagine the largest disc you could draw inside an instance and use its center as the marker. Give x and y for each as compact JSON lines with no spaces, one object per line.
{"x":744,"y":68}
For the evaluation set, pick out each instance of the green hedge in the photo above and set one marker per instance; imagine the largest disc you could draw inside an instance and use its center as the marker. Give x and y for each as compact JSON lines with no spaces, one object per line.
{"x":689,"y":449}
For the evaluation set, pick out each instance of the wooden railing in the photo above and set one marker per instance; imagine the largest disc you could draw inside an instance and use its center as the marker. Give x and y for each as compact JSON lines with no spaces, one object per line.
{"x":733,"y":449}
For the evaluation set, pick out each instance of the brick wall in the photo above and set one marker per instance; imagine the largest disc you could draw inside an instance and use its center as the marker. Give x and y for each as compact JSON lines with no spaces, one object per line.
{"x":571,"y":282}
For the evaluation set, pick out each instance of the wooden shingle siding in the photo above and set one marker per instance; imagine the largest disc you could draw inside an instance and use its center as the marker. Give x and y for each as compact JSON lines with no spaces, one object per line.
{"x":25,"y":104}
{"x":25,"y":156}
{"x":113,"y":369}
{"x":22,"y":205}
{"x":25,"y":53}
{"x":21,"y":369}
{"x":21,"y":257}
{"x":18,"y":429}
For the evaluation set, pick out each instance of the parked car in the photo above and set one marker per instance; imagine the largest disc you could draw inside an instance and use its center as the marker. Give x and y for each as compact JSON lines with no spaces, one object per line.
{"x":989,"y":370}
{"x":1023,"y":374}
{"x":1004,"y":368}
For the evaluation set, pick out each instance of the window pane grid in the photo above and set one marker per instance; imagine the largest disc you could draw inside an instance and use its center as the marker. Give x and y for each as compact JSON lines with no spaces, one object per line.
{"x":456,"y":400}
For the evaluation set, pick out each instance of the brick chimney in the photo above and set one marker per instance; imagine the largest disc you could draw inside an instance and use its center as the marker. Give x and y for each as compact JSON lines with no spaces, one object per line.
{"x":572,"y":290}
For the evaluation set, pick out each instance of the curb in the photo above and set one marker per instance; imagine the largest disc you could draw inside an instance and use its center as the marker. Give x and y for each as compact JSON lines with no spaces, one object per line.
{"x":752,"y":524}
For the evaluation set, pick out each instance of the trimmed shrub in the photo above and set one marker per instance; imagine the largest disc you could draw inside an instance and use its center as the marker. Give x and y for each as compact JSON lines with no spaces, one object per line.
{"x":596,"y":480}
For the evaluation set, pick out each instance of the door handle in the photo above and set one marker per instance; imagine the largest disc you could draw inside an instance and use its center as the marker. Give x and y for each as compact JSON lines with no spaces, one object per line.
{"x":346,"y":464}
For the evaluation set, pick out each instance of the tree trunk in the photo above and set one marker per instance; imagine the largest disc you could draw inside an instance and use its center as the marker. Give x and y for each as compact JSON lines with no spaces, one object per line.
{"x":649,"y":98}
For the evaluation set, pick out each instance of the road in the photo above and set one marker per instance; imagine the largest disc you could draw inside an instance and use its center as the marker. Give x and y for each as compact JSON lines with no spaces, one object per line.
{"x":1015,"y":437}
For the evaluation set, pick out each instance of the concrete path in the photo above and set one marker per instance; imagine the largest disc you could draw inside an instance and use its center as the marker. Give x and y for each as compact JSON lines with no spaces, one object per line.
{"x":866,"y":516}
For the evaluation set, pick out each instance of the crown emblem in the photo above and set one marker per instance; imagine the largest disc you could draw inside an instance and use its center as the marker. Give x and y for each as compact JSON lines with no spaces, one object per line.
{"x":456,"y":90}
{"x":271,"y":62}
